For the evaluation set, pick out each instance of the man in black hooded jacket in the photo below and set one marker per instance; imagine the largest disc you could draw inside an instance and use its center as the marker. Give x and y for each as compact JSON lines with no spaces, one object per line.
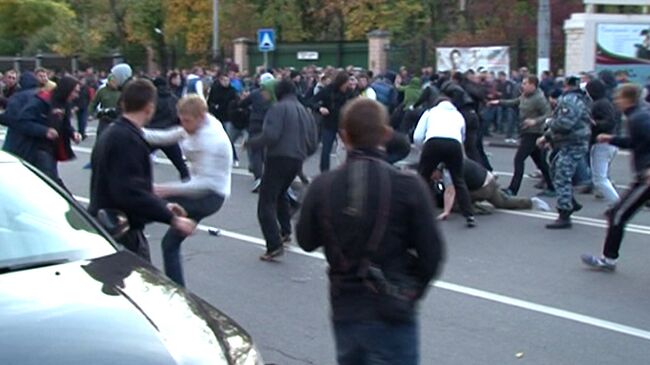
{"x":165,"y":117}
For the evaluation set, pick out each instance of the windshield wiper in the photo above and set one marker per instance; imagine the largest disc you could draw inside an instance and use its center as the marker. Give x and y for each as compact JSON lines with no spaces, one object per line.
{"x":31,"y":265}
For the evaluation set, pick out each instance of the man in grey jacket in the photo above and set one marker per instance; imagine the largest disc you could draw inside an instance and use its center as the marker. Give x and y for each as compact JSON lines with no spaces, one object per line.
{"x":533,"y":111}
{"x":290,"y":136}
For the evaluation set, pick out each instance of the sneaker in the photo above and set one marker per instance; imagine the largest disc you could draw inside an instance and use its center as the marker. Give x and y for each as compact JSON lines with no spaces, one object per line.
{"x":548,"y":193}
{"x":256,"y":185}
{"x":599,"y":263}
{"x":539,"y":204}
{"x":471,"y":222}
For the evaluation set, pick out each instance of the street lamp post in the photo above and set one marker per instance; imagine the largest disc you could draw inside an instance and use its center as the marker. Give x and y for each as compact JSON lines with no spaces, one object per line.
{"x":543,"y":36}
{"x":215,"y":30}
{"x":163,"y":49}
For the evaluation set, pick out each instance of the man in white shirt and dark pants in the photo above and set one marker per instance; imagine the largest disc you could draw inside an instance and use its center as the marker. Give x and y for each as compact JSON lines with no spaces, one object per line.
{"x":440,"y":133}
{"x":207,"y":147}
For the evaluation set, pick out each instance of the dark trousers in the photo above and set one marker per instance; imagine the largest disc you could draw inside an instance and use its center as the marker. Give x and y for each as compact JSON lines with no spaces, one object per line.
{"x":621,"y":213}
{"x":255,"y":154}
{"x":175,"y":155}
{"x":471,"y":135}
{"x":197,"y":208}
{"x":273,"y":205}
{"x":493,"y":194}
{"x":449,"y":151}
{"x":483,"y":158}
{"x":135,"y":241}
{"x":328,"y":137}
{"x":102,"y":125}
{"x":376,"y":343}
{"x":82,"y":121}
{"x":528,"y":147}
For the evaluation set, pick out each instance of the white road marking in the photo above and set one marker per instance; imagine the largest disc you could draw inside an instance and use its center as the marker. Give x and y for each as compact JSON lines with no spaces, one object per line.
{"x":464,"y":290}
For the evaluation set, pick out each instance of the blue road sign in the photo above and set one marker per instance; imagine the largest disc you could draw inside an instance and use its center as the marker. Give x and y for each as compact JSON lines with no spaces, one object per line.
{"x":266,"y":40}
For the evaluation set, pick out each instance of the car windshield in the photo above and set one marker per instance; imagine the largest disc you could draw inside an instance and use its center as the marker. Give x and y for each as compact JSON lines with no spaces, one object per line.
{"x":39,"y":226}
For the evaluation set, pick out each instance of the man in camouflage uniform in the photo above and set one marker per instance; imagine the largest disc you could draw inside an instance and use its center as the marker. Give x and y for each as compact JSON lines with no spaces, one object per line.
{"x":568,"y":133}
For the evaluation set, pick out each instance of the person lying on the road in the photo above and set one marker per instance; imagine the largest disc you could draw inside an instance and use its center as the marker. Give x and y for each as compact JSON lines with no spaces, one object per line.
{"x":482,"y":186}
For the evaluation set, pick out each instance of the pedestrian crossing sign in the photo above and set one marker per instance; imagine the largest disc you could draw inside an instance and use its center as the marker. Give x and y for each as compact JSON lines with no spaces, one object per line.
{"x":266,"y":40}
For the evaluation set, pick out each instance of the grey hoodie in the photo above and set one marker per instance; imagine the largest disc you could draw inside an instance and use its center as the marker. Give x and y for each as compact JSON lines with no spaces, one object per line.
{"x":289,"y":130}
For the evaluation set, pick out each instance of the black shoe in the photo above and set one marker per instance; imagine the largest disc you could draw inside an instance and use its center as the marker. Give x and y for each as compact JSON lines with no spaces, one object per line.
{"x":286,"y":238}
{"x":471,"y":222}
{"x":563,"y":221}
{"x":576,"y":206}
{"x":271,"y":255}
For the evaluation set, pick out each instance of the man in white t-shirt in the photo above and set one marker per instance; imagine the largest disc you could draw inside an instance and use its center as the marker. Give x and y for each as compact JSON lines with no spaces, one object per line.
{"x":207,"y":148}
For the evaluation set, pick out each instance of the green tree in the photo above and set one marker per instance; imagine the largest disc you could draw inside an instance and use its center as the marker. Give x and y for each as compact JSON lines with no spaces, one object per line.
{"x":22,"y":19}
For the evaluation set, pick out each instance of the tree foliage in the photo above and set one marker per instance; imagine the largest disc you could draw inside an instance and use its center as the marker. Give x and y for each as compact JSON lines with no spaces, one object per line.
{"x":91,"y":28}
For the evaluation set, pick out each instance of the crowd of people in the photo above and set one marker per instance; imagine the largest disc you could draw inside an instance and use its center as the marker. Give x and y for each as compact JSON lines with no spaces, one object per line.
{"x":381,"y":258}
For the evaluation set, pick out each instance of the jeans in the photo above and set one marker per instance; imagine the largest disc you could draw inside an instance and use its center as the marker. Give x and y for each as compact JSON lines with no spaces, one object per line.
{"x":197,"y":208}
{"x":82,"y":121}
{"x":328,"y":137}
{"x":273,"y":205}
{"x":528,"y":147}
{"x":602,"y":155}
{"x":233,"y":133}
{"x":507,"y":121}
{"x":47,"y":164}
{"x":376,"y":343}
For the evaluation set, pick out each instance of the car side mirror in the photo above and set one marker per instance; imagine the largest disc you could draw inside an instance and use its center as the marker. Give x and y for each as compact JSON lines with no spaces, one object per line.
{"x":114,"y":222}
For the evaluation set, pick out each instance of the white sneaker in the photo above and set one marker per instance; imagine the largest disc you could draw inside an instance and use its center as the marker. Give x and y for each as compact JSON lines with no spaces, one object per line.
{"x":539,"y":204}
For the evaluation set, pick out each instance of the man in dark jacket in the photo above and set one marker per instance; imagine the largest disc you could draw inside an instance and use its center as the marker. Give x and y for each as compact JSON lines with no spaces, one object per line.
{"x":43,"y":131}
{"x":568,"y":133}
{"x":290,"y":136}
{"x":377,"y":227}
{"x":627,"y":100}
{"x":533,"y":111}
{"x":122,"y":175}
{"x":329,"y":102}
{"x":259,"y":101}
{"x":166,"y":117}
{"x":222,"y":94}
{"x":605,"y":121}
{"x":28,"y":88}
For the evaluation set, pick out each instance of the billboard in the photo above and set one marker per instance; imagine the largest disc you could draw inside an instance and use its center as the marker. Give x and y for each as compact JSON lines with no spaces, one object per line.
{"x":464,"y":58}
{"x":624,"y":47}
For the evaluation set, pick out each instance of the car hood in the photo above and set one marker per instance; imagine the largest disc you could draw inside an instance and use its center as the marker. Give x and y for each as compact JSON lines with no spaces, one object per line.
{"x":115,"y":309}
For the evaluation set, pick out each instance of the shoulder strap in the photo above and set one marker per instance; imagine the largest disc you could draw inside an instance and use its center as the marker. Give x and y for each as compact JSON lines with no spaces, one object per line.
{"x":379,"y":227}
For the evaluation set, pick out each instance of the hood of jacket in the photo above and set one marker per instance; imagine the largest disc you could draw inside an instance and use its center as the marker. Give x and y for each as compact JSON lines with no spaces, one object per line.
{"x":596,"y":89}
{"x":28,"y":81}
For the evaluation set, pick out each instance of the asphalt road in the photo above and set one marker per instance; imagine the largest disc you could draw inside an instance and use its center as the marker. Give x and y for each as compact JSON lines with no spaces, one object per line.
{"x":512,"y":292}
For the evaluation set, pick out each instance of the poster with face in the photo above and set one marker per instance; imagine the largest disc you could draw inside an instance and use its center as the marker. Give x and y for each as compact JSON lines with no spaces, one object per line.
{"x":624,"y":47}
{"x":464,"y":58}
